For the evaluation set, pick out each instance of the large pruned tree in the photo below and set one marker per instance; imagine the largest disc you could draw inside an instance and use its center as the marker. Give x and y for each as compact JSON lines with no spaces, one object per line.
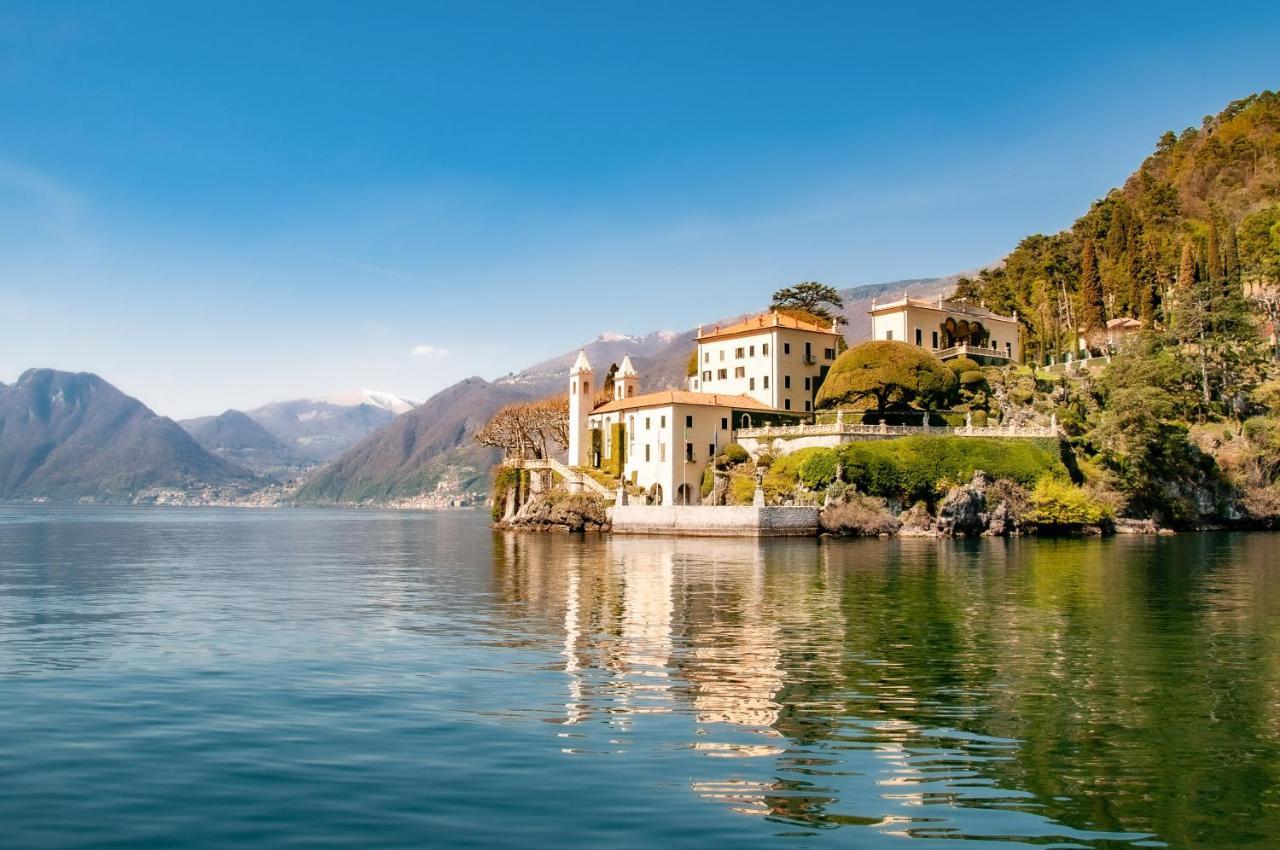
{"x":815,"y":299}
{"x":888,"y":374}
{"x":528,"y":429}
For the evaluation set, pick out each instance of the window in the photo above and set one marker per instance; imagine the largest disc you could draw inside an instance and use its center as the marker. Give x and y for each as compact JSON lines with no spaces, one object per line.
{"x":662,"y":452}
{"x":935,"y":339}
{"x":646,"y":452}
{"x":751,"y":351}
{"x":706,"y":376}
{"x":662,"y":421}
{"x":806,"y":383}
{"x":751,"y":383}
{"x":786,"y":382}
{"x":1008,"y":347}
{"x":706,"y":357}
{"x":808,"y":352}
{"x":764,"y":349}
{"x":722,"y":374}
{"x":724,"y":423}
{"x":786,"y":404}
{"x":722,"y":355}
{"x":786,"y":348}
{"x":766,"y":382}
{"x":829,"y":353}
{"x":740,"y":372}
{"x":919,"y":337}
{"x":888,"y":334}
{"x":739,"y":353}
{"x":688,"y":422}
{"x":711,"y":450}
{"x":806,"y":406}
{"x":688,"y":451}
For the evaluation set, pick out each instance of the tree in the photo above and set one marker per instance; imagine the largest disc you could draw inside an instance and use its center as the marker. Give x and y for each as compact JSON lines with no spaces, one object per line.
{"x":814,"y":299}
{"x":528,"y":429}
{"x":887,"y":373}
{"x":1191,"y":313}
{"x":1092,"y":315}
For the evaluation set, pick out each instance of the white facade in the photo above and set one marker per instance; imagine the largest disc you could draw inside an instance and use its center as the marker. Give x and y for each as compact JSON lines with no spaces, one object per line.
{"x":775,"y":359}
{"x":670,"y":438}
{"x":948,"y":328}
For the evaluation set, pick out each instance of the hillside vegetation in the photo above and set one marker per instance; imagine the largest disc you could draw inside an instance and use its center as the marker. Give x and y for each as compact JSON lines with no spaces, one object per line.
{"x":1215,"y":188}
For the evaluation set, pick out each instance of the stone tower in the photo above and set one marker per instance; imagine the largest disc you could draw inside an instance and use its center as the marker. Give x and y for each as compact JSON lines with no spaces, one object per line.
{"x":624,"y":383}
{"x":581,"y":390}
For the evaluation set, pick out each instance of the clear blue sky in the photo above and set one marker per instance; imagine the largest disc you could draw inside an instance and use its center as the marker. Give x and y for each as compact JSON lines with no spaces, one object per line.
{"x":225,"y":205}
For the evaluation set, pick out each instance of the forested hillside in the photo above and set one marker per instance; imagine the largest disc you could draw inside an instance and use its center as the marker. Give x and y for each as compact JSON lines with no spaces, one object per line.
{"x":1212,"y":191}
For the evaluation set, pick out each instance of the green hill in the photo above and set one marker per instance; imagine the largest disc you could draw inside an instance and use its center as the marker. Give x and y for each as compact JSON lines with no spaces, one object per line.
{"x":1216,"y":187}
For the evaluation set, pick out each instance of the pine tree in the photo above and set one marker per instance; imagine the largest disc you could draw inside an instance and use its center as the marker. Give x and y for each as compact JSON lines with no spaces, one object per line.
{"x":1092,"y":312}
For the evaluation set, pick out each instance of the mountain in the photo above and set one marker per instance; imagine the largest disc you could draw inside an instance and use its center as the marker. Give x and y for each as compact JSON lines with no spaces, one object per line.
{"x":417,"y":451}
{"x":652,"y":350}
{"x":74,"y":437}
{"x":390,"y":402}
{"x":321,"y":429}
{"x":1215,"y":188}
{"x":235,"y":437}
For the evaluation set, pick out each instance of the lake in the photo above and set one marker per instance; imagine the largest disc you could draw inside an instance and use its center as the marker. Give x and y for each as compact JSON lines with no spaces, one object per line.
{"x":228,"y":678}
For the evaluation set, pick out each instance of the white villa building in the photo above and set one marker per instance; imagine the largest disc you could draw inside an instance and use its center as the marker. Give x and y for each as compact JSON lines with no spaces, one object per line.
{"x":949,"y":329}
{"x":762,"y":370}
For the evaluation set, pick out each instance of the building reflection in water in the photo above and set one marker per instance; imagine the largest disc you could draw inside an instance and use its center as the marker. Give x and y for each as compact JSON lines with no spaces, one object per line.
{"x":919,"y":688}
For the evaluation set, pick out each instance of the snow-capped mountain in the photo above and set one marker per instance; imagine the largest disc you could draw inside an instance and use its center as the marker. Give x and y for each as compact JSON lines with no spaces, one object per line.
{"x":390,"y":402}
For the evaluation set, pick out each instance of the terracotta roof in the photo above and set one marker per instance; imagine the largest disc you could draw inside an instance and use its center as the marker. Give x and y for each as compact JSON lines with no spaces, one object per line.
{"x":1123,"y":322}
{"x":660,"y":399}
{"x":764,"y":321}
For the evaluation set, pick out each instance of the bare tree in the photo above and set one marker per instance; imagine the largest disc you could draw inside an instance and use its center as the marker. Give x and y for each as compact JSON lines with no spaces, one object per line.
{"x":528,"y":429}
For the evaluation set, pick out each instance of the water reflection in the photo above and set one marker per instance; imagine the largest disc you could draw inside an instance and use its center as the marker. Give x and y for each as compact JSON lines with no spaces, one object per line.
{"x":1096,"y":692}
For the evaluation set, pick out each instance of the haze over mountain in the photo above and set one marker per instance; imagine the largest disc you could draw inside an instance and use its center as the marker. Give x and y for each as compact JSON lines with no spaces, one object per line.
{"x":321,"y":429}
{"x":235,"y":437}
{"x":72,"y":436}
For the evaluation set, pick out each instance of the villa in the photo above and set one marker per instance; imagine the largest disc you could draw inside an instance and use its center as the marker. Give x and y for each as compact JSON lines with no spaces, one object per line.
{"x":763,"y":370}
{"x":949,"y":329}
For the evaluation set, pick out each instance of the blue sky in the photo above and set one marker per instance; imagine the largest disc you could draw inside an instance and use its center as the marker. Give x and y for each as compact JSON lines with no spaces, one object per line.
{"x":215,"y":207}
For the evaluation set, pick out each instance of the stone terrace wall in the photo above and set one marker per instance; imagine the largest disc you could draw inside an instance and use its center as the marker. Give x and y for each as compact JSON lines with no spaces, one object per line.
{"x":715,"y":521}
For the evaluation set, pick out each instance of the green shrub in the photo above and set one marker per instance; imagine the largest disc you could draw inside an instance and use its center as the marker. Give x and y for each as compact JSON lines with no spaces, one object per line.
{"x":742,"y":490}
{"x":1058,"y":504}
{"x":885,"y":373}
{"x":818,"y":470}
{"x":979,"y":419}
{"x":971,"y":379}
{"x":1021,"y":396}
{"x":960,"y":365}
{"x":504,"y":479}
{"x":732,"y":455}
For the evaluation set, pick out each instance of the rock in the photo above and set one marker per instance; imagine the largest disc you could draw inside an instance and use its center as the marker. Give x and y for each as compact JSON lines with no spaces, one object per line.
{"x":963,"y":511}
{"x":999,"y":521}
{"x":556,"y":510}
{"x":917,"y":522}
{"x":1136,"y":526}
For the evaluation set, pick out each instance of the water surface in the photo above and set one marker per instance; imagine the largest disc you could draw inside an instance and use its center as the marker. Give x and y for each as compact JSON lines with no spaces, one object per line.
{"x":217,"y":678}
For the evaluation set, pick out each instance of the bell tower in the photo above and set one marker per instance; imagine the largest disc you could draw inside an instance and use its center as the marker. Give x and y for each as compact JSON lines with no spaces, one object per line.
{"x":625,"y":381}
{"x":581,"y":393}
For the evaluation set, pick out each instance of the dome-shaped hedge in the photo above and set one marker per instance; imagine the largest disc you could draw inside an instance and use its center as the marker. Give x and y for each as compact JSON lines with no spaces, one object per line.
{"x":887,"y":374}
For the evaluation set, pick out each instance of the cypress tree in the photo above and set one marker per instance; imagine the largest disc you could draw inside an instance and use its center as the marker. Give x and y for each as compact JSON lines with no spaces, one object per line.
{"x":1092,"y":311}
{"x":1191,"y":312}
{"x":1213,"y":257}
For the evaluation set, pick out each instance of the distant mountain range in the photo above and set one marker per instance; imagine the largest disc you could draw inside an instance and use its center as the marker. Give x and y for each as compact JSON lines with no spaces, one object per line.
{"x":311,"y":431}
{"x":73,"y":437}
{"x":236,"y":437}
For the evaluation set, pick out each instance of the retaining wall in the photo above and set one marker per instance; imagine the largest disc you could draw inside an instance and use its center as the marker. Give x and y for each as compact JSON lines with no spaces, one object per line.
{"x":715,"y":521}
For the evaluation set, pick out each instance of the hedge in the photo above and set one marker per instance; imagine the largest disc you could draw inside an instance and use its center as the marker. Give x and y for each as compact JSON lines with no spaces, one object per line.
{"x":918,"y":468}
